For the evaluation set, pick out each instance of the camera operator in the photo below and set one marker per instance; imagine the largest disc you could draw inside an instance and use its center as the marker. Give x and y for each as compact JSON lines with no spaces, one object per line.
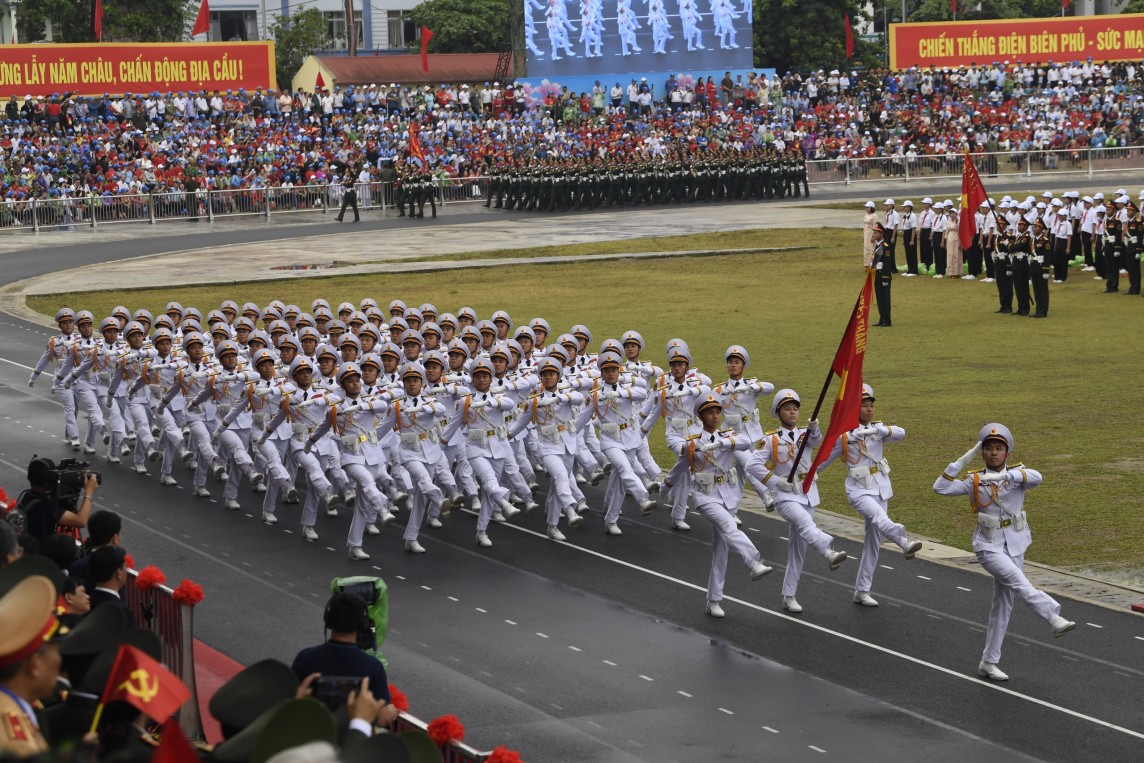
{"x":39,"y":506}
{"x":328,"y":668}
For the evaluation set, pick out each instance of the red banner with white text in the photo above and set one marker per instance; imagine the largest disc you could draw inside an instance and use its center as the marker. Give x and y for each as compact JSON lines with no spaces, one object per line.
{"x":963,"y":43}
{"x":93,"y":69}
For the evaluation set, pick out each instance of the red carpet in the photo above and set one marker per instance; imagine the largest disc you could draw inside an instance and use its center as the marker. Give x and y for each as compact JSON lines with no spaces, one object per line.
{"x":212,"y":670}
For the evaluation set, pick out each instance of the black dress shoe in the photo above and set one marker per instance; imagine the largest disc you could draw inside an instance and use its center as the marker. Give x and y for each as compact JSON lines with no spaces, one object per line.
{"x":1110,"y":291}
{"x":1132,"y":291}
{"x":1040,"y":315}
{"x":1022,"y":315}
{"x":1003,"y":311}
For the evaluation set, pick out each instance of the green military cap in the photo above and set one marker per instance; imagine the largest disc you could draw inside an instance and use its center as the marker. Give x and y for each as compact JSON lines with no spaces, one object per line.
{"x":422,"y":749}
{"x":142,"y":639}
{"x":250,"y":693}
{"x":382,"y":748}
{"x":26,"y":566}
{"x":296,"y":723}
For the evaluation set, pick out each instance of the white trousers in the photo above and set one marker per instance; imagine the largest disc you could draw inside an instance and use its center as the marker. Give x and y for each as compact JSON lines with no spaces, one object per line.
{"x":235,"y":456}
{"x":803,"y":532}
{"x":1009,"y":583}
{"x":725,"y":537}
{"x":67,"y":400}
{"x":622,"y":480}
{"x":878,"y":526}
{"x":560,"y":496}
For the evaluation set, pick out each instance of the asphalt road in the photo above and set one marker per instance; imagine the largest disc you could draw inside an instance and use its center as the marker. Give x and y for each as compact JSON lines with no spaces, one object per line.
{"x":599,"y":648}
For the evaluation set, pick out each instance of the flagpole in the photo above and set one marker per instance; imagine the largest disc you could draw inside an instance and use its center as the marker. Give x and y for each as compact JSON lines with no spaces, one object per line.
{"x":95,"y":719}
{"x":821,"y":397}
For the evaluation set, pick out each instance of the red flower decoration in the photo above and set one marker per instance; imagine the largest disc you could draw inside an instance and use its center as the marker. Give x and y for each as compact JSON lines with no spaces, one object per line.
{"x":503,"y":755}
{"x":446,"y":730}
{"x":398,"y":699}
{"x":150,"y":577}
{"x":188,"y":592}
{"x":130,"y":562}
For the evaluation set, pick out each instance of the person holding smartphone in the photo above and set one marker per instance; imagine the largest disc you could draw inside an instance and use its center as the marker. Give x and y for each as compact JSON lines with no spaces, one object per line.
{"x":336,"y":670}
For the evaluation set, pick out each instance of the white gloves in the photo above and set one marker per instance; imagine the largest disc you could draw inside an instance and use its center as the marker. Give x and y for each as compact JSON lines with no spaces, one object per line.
{"x":793,"y":488}
{"x":967,"y":459}
{"x":217,"y":433}
{"x":882,"y":430}
{"x":307,"y":447}
{"x":260,"y":441}
{"x":812,"y":427}
{"x":161,"y":408}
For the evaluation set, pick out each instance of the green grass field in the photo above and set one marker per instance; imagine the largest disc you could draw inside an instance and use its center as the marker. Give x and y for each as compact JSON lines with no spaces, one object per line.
{"x":1066,"y":386}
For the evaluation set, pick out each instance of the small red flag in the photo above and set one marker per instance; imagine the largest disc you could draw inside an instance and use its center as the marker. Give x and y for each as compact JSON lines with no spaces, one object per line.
{"x":319,"y":83}
{"x":849,"y":35}
{"x":415,"y":149}
{"x":173,"y":746}
{"x":953,"y":8}
{"x":848,"y":367}
{"x":972,"y":196}
{"x":1064,"y":5}
{"x":99,"y":20}
{"x":138,"y":679}
{"x":202,"y":21}
{"x":426,"y":36}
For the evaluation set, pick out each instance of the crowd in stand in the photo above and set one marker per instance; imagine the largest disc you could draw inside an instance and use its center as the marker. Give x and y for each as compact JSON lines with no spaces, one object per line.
{"x":74,"y":147}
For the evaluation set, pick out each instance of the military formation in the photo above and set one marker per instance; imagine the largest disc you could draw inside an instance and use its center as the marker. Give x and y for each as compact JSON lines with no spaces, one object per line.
{"x":552,"y":184}
{"x":413,"y":188}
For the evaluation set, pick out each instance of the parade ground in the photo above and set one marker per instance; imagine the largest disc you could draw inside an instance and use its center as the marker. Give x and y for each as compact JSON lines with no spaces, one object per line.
{"x":598,"y":648}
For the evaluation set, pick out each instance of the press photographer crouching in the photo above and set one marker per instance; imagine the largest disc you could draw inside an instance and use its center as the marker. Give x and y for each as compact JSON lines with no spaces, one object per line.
{"x":58,"y":499}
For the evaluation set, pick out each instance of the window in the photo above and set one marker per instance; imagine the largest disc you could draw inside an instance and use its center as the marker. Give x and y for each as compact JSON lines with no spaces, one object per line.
{"x":336,"y":30}
{"x":403,"y":33}
{"x":234,"y":26}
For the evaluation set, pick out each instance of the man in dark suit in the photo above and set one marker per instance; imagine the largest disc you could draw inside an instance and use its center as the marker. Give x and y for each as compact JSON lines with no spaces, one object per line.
{"x":349,"y":198}
{"x":103,"y":529}
{"x":109,"y":571}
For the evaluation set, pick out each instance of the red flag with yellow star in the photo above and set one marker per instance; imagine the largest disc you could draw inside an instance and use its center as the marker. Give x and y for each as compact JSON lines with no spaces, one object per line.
{"x":972,"y":196}
{"x":847,"y":367}
{"x":142,"y":681}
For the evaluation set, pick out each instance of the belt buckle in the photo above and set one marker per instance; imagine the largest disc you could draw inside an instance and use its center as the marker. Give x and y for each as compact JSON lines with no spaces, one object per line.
{"x":562,"y":428}
{"x":1006,"y":522}
{"x":623,"y":427}
{"x":718,"y":479}
{"x":874,"y":469}
{"x":490,"y":433}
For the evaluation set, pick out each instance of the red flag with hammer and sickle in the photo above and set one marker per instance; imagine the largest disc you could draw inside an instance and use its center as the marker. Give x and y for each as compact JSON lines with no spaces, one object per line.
{"x":143,"y":682}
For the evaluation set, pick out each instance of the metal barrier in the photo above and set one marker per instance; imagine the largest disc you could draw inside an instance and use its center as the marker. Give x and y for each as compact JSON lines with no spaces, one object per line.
{"x":457,"y":752}
{"x":1064,"y":161}
{"x":237,"y":202}
{"x":124,"y":208}
{"x":456,"y":190}
{"x":173,"y":623}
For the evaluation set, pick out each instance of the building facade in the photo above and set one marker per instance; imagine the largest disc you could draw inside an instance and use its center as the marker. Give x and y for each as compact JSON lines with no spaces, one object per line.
{"x":381,"y":25}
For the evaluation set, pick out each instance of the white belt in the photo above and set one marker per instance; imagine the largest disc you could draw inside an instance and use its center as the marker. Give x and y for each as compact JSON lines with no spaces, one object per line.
{"x":991,"y":523}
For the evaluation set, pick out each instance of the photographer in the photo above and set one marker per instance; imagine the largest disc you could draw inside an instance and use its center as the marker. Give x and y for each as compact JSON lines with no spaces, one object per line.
{"x":39,"y":506}
{"x":334,"y":670}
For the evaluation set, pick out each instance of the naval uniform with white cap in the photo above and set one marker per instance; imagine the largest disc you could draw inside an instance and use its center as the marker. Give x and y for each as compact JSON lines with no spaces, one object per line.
{"x":892,"y":223}
{"x":770,"y":465}
{"x":716,"y":491}
{"x":868,"y":490}
{"x":925,"y":233}
{"x":997,"y":497}
{"x":741,"y":410}
{"x":54,"y":354}
{"x":910,"y":229}
{"x":83,"y":385}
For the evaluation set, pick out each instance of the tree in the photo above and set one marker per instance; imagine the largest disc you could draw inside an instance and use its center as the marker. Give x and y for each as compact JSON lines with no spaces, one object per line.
{"x":795,"y":34}
{"x":296,"y":37}
{"x":123,"y":20}
{"x":467,"y":26}
{"x":1133,"y":6}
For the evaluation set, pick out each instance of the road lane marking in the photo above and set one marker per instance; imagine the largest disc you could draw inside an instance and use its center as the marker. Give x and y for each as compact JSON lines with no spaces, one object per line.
{"x":725,"y":710}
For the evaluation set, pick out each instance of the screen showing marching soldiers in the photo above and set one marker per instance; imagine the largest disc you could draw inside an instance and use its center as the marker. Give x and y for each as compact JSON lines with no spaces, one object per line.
{"x":569,"y":38}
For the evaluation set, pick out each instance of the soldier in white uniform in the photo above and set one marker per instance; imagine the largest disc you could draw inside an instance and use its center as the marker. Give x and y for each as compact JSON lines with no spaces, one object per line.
{"x":771,"y":465}
{"x":868,"y":491}
{"x":227,"y":389}
{"x":671,"y":400}
{"x":190,"y":380}
{"x":479,"y":420}
{"x":612,"y":407}
{"x":83,"y":385}
{"x":554,"y":414}
{"x":303,"y":409}
{"x":128,"y":370}
{"x":741,"y":411}
{"x":716,"y":490}
{"x":997,"y":497}
{"x":354,"y":421}
{"x":54,"y":354}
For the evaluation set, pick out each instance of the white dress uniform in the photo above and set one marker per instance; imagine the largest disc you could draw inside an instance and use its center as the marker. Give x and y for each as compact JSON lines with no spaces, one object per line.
{"x":770,"y":465}
{"x":868,"y":490}
{"x":450,"y":395}
{"x":554,"y":414}
{"x":480,"y":423}
{"x":226,"y":390}
{"x":1000,"y":540}
{"x":715,"y":487}
{"x":157,"y":376}
{"x":190,"y":381}
{"x":84,"y":387}
{"x":613,"y":407}
{"x":128,"y":370}
{"x":740,"y":398}
{"x":55,"y":352}
{"x":414,"y":420}
{"x":353,"y":424}
{"x":303,"y":409}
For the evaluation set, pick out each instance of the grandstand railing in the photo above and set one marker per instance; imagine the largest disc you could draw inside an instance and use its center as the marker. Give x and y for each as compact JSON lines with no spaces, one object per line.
{"x":455,"y":752}
{"x":55,"y":213}
{"x":1088,"y":162}
{"x":157,"y":611}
